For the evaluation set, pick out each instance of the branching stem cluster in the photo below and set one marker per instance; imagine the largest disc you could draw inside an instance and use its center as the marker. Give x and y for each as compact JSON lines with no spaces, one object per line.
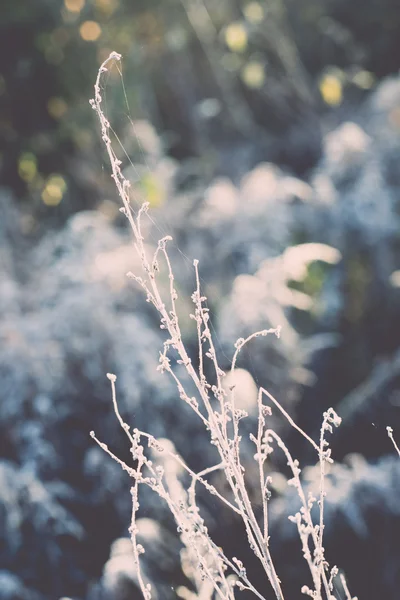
{"x":157,"y":463}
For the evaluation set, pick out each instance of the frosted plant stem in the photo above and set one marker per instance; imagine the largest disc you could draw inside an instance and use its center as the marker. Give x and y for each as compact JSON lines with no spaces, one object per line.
{"x":390,"y":435}
{"x":181,"y":501}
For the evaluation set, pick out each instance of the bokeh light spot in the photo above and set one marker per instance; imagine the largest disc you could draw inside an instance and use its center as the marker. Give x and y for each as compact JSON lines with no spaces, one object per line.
{"x":90,"y":31}
{"x":27,"y":166}
{"x":236,"y":37}
{"x":331,"y":89}
{"x":253,"y":74}
{"x":364,"y":80}
{"x":152,"y":189}
{"x":254,"y":12}
{"x":53,"y":191}
{"x":74,"y":5}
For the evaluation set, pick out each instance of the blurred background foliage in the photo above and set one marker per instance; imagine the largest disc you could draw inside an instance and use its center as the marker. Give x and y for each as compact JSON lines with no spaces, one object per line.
{"x":228,"y":83}
{"x":266,"y":136}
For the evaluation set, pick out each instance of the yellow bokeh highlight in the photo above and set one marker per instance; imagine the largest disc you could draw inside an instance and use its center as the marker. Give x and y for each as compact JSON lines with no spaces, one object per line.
{"x":27,"y":166}
{"x":54,"y":190}
{"x":90,"y":31}
{"x":74,"y":6}
{"x":56,"y":107}
{"x":236,"y":37}
{"x":331,"y":89}
{"x":254,"y":12}
{"x":152,"y":189}
{"x":253,"y":74}
{"x":364,"y":80}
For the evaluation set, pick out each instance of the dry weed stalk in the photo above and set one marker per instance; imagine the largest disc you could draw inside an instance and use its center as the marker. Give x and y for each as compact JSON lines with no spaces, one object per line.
{"x":217,"y":576}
